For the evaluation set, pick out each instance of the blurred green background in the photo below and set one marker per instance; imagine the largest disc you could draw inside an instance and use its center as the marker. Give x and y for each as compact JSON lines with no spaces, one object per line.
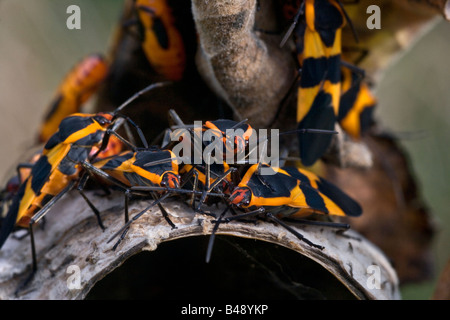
{"x":37,"y":49}
{"x":414,"y":101}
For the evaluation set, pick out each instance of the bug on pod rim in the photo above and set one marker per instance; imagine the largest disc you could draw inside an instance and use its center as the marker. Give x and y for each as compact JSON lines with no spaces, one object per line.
{"x":59,"y":166}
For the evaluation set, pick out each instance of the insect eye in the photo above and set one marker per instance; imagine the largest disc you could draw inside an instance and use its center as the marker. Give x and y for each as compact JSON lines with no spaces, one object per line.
{"x":102,"y":120}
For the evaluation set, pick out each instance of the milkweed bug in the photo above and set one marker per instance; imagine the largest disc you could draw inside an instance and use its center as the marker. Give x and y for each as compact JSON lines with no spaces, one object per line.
{"x":23,"y":170}
{"x":289,"y":193}
{"x":221,"y":128}
{"x":168,"y":191}
{"x":318,"y":30}
{"x":210,"y":177}
{"x":59,"y":166}
{"x":162,"y":42}
{"x":356,"y":104}
{"x":235,"y":139}
{"x":319,"y":50}
{"x":77,"y":87}
{"x":149,"y":171}
{"x":234,"y":135}
{"x":114,"y":147}
{"x":152,"y":167}
{"x":292,"y":192}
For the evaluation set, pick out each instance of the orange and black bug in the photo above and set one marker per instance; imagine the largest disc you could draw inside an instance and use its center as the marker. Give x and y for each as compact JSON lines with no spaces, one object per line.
{"x":114,"y":147}
{"x":209,"y":177}
{"x":236,"y":139}
{"x":289,"y":192}
{"x":149,"y":167}
{"x":292,"y":192}
{"x":13,"y":184}
{"x":317,"y":27}
{"x":220,"y":176}
{"x":59,"y":166}
{"x":153,"y":171}
{"x":150,"y":171}
{"x":77,"y":87}
{"x":356,"y":105}
{"x":161,"y":41}
{"x":235,"y":136}
{"x":319,"y":52}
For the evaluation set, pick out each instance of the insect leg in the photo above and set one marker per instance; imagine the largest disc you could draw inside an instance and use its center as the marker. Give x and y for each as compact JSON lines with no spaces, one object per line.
{"x":138,"y":129}
{"x":207,"y":183}
{"x":245,"y":215}
{"x":23,"y":165}
{"x":213,"y":234}
{"x":81,"y":185}
{"x":164,"y":212}
{"x":352,"y":27}
{"x":343,"y":226}
{"x":221,"y":178}
{"x":124,"y":229}
{"x":39,"y":215}
{"x":294,"y":232}
{"x":293,"y":24}
{"x":174,"y":190}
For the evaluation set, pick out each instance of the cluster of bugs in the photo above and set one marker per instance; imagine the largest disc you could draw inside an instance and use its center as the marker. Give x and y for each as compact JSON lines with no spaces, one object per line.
{"x":80,"y":146}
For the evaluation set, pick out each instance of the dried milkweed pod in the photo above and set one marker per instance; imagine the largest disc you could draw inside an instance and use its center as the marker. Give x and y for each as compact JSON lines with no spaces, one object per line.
{"x":74,"y":257}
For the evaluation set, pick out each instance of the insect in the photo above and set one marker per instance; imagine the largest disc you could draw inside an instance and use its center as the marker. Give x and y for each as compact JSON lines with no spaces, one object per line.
{"x":227,"y":138}
{"x":214,"y":175}
{"x":161,"y":41}
{"x":319,"y":47}
{"x":231,"y":137}
{"x":77,"y":87}
{"x":166,"y":181}
{"x":289,"y":192}
{"x":233,"y":143}
{"x":23,"y":170}
{"x":149,"y":171}
{"x":59,"y":166}
{"x":317,"y":28}
{"x":356,"y":104}
{"x":114,"y":147}
{"x":234,"y":136}
{"x":147,"y":167}
{"x":294,"y":192}
{"x":209,"y":177}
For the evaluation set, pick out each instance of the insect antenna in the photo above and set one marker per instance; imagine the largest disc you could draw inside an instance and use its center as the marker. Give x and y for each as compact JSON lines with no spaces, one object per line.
{"x":213,"y":234}
{"x":140,"y":93}
{"x":350,"y":23}
{"x":293,"y":24}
